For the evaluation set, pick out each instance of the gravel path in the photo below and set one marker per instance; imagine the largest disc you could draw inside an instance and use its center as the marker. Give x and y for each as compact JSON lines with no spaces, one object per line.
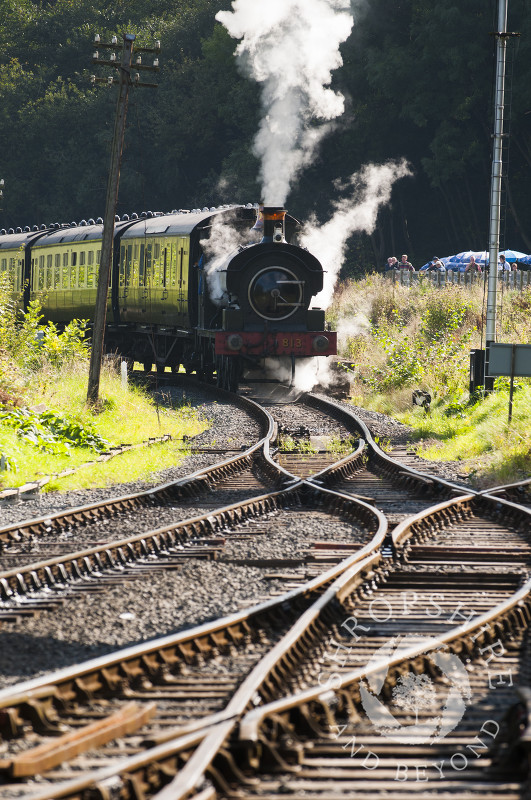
{"x":151,"y":606}
{"x":161,"y":602}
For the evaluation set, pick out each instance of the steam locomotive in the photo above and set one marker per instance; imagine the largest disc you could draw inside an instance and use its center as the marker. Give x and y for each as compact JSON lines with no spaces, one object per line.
{"x":160,"y":309}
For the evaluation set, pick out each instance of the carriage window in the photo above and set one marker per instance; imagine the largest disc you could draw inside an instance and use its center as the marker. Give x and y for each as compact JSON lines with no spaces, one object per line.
{"x":132,"y":268}
{"x":122,"y":266}
{"x":4,"y":264}
{"x":125,"y":265}
{"x":157,"y":270}
{"x":58,"y":259}
{"x":41,"y":273}
{"x":129,"y":277}
{"x":165,"y":267}
{"x":142,"y":266}
{"x":82,"y":257}
{"x":65,"y":259}
{"x":74,"y":259}
{"x":135,"y":252}
{"x":147,"y":271}
{"x":173,"y":265}
{"x":98,"y":256}
{"x":91,"y":256}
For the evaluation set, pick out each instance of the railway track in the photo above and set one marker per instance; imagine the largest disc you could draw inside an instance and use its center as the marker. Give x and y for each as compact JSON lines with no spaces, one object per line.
{"x":265,"y":701}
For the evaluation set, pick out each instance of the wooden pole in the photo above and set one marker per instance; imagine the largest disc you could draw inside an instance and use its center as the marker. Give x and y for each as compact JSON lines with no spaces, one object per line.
{"x":104,"y":274}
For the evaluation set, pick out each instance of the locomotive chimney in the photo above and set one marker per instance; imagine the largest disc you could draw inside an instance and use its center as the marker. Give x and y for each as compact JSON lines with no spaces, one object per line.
{"x":273,"y":217}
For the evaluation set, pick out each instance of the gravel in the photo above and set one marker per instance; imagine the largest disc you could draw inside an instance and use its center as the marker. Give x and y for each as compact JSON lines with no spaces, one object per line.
{"x":160,"y":602}
{"x":278,"y":537}
{"x":153,"y":605}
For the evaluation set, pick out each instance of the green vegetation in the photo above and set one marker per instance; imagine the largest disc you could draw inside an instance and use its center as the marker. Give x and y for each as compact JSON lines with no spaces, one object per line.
{"x":287,"y":444}
{"x":341,"y":447}
{"x":47,"y":427}
{"x":397,"y":339}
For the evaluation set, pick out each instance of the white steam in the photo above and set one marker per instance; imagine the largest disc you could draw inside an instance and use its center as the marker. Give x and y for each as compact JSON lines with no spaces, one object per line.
{"x":372,"y":187}
{"x":290,"y":47}
{"x":219,"y":249}
{"x":308,"y":371}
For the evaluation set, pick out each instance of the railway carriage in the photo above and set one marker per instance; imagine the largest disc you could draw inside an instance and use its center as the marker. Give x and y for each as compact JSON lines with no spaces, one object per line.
{"x":159,"y":308}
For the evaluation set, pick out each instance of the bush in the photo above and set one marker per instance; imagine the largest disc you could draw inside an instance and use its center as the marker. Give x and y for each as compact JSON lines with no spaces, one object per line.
{"x":28,"y":346}
{"x":419,"y":335}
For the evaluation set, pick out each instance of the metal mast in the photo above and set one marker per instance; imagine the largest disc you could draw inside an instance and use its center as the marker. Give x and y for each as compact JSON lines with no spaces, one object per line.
{"x":497,"y":170}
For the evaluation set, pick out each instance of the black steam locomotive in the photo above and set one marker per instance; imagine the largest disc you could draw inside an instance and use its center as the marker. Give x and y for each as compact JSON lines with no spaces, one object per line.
{"x":162,"y":308}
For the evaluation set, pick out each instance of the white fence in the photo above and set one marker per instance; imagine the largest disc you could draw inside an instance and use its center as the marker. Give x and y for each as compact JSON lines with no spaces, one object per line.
{"x":511,"y":280}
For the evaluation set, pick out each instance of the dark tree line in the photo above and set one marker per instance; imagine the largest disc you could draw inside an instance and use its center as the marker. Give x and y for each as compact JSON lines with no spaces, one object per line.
{"x":418,"y":78}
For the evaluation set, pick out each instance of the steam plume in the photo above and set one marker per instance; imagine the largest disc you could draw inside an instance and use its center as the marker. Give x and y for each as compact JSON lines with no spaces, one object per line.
{"x":370,"y":188}
{"x":290,"y":47}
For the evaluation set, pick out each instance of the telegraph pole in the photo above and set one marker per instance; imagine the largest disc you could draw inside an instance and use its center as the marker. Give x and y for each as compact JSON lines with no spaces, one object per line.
{"x":124,"y":81}
{"x":497,"y":172}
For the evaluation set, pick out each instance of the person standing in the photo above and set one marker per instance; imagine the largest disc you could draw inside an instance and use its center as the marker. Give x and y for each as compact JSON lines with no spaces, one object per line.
{"x":404,"y":264}
{"x":472,"y":266}
{"x":503,"y":265}
{"x":392,"y":263}
{"x":437,"y":265}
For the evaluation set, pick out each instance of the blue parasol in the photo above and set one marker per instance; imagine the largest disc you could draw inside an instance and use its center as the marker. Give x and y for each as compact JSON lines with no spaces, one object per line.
{"x":515,"y":255}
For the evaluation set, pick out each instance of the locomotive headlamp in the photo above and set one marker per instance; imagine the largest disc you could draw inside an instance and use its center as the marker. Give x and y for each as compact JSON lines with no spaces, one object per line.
{"x":320,"y":344}
{"x":234,"y":341}
{"x":278,"y":235}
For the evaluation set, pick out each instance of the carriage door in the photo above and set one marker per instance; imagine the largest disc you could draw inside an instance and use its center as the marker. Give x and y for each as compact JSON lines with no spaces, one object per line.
{"x":182,"y":279}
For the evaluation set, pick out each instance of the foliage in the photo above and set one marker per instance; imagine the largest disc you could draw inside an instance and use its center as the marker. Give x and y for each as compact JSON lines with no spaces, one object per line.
{"x":29,"y":346}
{"x":341,"y":447}
{"x":51,"y":432}
{"x":287,"y":444}
{"x":418,"y":78}
{"x":419,"y":336}
{"x":140,"y":417}
{"x":422,"y":341}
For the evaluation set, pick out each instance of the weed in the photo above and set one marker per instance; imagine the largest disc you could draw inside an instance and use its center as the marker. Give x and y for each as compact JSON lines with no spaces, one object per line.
{"x":287,"y":444}
{"x":341,"y":447}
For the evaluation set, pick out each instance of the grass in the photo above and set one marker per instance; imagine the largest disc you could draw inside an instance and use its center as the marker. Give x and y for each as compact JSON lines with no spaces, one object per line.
{"x":398,"y":339}
{"x":492,"y":450}
{"x":127,"y":414}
